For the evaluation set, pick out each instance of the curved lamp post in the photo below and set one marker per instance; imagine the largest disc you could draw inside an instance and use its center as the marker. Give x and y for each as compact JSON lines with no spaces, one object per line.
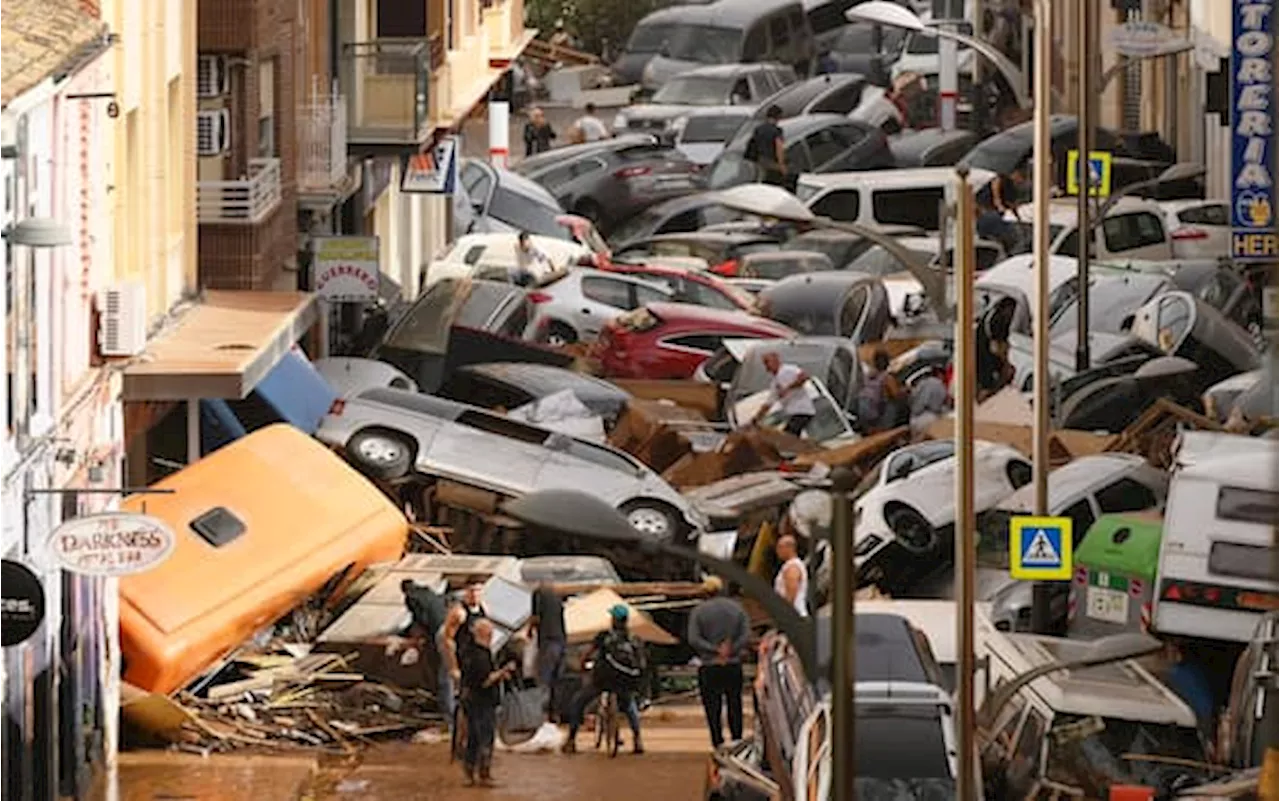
{"x":1182,"y":171}
{"x":586,"y":516}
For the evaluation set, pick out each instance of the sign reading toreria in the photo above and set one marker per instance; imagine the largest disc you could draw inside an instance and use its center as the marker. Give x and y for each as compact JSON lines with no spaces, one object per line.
{"x":1253,"y":133}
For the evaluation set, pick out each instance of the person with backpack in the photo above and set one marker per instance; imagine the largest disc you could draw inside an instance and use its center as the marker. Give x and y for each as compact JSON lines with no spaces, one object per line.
{"x":618,"y":669}
{"x":880,"y":398}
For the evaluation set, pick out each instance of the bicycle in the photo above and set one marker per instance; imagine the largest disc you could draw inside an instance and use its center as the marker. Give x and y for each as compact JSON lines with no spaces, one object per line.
{"x":608,"y":723}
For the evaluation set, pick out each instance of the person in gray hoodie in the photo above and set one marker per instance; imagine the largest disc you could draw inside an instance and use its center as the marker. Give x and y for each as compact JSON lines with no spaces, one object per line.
{"x":718,"y":632}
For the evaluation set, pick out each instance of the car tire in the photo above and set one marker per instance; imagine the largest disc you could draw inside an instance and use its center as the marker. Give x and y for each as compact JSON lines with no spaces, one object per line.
{"x":912,"y":531}
{"x":652,"y":519}
{"x":380,"y":454}
{"x":559,"y":334}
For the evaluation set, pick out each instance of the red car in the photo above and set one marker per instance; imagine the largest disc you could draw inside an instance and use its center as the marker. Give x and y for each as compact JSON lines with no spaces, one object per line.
{"x":690,"y":286}
{"x":670,"y":340}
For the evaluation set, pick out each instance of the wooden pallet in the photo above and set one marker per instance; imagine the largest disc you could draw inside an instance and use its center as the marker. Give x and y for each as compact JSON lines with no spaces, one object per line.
{"x":548,"y":54}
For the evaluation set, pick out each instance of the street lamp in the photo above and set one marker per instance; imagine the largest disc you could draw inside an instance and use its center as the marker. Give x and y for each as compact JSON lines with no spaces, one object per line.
{"x":880,"y":12}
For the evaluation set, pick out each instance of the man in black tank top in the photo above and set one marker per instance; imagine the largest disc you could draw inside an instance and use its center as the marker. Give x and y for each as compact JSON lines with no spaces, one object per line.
{"x":456,"y":637}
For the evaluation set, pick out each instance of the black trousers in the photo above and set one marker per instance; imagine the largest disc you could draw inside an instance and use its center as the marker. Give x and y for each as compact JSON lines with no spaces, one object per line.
{"x":797,"y":422}
{"x":720,"y":686}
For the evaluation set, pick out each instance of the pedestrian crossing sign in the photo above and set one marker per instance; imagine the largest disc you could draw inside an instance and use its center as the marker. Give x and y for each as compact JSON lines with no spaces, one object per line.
{"x":1040,"y":548}
{"x":1099,"y":173}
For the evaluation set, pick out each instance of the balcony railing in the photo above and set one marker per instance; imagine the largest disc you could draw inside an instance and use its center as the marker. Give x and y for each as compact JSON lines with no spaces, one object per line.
{"x":247,"y":201}
{"x":322,"y":143}
{"x":385,"y":84}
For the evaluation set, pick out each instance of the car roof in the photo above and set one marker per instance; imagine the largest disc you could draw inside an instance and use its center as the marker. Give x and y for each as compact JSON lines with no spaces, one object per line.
{"x":1074,"y":479}
{"x":730,"y":237}
{"x":430,"y":405}
{"x":906,"y":177}
{"x":723,"y":13}
{"x":1174,"y":206}
{"x":542,"y":379}
{"x":806,"y":123}
{"x":1016,"y":272}
{"x":557,"y":157}
{"x":728,"y":318}
{"x":806,"y":285}
{"x":886,"y":648}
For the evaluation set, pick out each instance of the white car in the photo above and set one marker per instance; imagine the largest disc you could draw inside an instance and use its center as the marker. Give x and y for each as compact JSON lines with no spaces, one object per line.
{"x":574,"y":307}
{"x":904,"y":508}
{"x":493,"y":257}
{"x":1198,"y":228}
{"x":1134,"y":228}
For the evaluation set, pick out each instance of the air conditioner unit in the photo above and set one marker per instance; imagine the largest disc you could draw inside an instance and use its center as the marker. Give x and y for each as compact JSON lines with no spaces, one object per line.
{"x":122,"y":328}
{"x":211,"y":76}
{"x":212,"y":132}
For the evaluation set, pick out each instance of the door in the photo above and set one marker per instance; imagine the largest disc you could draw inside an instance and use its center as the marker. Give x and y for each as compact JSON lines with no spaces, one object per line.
{"x":603,"y":298}
{"x":489,"y":451}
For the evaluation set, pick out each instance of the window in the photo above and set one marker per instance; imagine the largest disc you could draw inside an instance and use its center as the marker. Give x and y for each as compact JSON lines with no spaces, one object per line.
{"x":501,"y":426}
{"x":646,"y":294}
{"x":710,"y":128}
{"x":842,"y":205}
{"x":704,"y":295}
{"x":839,"y":101}
{"x":1070,"y":245}
{"x":649,"y":38}
{"x":1247,"y":505}
{"x":1244,"y":561}
{"x":851,"y":314}
{"x":267,"y":108}
{"x":1213,"y":214}
{"x":608,"y":291}
{"x":987,"y":258}
{"x":796,"y":19}
{"x":824,"y":147}
{"x":1128,"y":231}
{"x":1173,"y":318}
{"x":778,"y":32}
{"x":917,"y":206}
{"x":1125,"y":495}
{"x":477,"y":181}
{"x":798,"y":158}
{"x":1081,"y":515}
{"x":526,"y":213}
{"x":707,"y":343}
{"x":474,"y":254}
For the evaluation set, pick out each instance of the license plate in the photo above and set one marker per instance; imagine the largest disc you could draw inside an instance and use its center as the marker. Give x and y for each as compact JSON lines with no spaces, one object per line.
{"x":674,"y":183}
{"x":1111,"y":606}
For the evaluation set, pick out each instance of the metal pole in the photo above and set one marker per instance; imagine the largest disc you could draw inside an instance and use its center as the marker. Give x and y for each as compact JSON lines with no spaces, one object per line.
{"x":1085,"y":14}
{"x":842,"y":636}
{"x":1043,"y":178}
{"x":948,"y":82}
{"x":977,"y":97}
{"x":965,"y":529}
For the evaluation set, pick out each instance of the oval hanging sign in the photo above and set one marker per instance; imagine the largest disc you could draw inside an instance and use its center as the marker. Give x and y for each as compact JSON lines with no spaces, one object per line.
{"x":111,"y":544}
{"x":22,"y":609}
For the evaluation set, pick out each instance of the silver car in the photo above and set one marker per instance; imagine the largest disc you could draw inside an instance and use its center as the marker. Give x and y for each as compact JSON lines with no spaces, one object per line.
{"x":574,"y":307}
{"x":389,"y":433}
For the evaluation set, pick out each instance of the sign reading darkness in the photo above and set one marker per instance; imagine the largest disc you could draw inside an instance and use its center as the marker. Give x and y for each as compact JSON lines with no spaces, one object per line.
{"x":22,"y":605}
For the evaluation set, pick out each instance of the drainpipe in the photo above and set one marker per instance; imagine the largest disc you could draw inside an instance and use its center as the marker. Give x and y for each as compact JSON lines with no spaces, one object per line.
{"x":335,"y":36}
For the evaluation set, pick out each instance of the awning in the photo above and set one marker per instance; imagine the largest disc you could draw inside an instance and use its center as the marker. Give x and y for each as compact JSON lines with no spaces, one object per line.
{"x":221,"y":346}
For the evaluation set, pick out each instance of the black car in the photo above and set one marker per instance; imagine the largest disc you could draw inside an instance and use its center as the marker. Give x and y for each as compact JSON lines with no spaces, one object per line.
{"x":612,"y":181}
{"x":931,"y":147}
{"x":510,"y":385}
{"x":503,"y":200}
{"x":676,"y":216}
{"x":814,"y":143}
{"x":836,"y":304}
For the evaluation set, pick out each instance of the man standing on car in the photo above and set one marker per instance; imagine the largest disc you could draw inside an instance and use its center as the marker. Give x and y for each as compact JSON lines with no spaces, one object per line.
{"x":548,"y":622}
{"x":788,"y":390}
{"x":766,"y":149}
{"x":718,"y":633}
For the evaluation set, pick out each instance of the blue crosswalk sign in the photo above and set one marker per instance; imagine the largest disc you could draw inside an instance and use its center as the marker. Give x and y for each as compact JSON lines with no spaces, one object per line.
{"x":1040,"y":548}
{"x":1099,"y":164}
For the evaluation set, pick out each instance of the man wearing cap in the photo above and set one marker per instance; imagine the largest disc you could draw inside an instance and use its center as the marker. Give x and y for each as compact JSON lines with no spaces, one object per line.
{"x":718,"y":633}
{"x":619,"y":665}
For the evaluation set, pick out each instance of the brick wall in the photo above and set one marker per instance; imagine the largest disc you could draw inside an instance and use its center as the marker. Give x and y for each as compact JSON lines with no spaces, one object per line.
{"x":251,"y":32}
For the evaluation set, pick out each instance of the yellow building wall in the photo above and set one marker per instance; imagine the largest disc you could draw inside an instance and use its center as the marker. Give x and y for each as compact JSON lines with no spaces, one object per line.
{"x":154,"y":198}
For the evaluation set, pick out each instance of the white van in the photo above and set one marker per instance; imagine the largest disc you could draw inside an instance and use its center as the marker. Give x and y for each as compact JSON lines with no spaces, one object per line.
{"x":1134,"y":228}
{"x":493,"y":257}
{"x":885,"y":197}
{"x":1218,"y":560}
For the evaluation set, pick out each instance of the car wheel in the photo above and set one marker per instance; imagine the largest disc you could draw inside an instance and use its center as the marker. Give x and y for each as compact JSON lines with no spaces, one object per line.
{"x":380,"y":454}
{"x":651,"y":519}
{"x":912,"y":531}
{"x":560,"y":334}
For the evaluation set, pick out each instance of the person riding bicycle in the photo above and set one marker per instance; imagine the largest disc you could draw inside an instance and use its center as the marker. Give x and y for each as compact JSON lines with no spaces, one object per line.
{"x":619,"y":666}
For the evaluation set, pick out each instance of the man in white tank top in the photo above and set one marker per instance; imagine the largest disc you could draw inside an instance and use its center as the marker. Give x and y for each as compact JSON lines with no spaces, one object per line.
{"x":792,"y":581}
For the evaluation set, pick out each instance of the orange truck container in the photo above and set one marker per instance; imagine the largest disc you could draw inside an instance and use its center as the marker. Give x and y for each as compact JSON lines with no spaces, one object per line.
{"x":261,"y":525}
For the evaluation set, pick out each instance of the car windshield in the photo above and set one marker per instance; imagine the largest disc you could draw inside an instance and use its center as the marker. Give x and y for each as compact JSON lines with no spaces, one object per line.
{"x":835,"y":248}
{"x":484,"y":299}
{"x":639,"y":226}
{"x":705,"y":44}
{"x":878,"y":262}
{"x":1111,"y":302}
{"x":526,"y":213}
{"x":694,"y":90}
{"x":649,"y":38}
{"x":710,"y":127}
{"x":1022,"y":235}
{"x":730,"y":169}
{"x":425,"y":328}
{"x":900,"y":741}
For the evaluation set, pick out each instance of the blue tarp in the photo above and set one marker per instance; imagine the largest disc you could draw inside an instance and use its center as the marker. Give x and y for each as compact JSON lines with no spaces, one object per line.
{"x":293,"y":392}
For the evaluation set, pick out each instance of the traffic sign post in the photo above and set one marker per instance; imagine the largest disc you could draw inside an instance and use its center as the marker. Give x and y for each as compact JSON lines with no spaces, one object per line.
{"x":1040,"y":548}
{"x":1099,"y":173}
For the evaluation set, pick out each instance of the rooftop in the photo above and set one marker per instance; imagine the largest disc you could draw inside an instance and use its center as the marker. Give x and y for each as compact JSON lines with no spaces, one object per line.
{"x":38,"y":38}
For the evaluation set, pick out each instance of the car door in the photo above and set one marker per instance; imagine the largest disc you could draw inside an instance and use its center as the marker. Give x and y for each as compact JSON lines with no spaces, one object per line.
{"x":603,"y":298}
{"x":489,"y":451}
{"x":1136,"y":235}
{"x":825,"y":148}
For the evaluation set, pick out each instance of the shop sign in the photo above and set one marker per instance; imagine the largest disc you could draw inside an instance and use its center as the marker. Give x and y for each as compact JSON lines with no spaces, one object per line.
{"x":111,"y":544}
{"x":1138,"y":39}
{"x":432,"y":172}
{"x":1253,"y":134}
{"x":21,"y":603}
{"x":344,"y":269}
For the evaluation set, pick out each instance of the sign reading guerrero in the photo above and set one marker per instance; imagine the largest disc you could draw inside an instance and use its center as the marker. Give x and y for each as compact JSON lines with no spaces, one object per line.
{"x":344,"y":269}
{"x":111,"y":544}
{"x":1253,"y":130}
{"x":22,"y":607}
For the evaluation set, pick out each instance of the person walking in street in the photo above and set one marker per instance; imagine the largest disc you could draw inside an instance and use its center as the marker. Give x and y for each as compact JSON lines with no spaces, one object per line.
{"x":455,"y":636}
{"x":538,"y":133}
{"x":619,"y":666}
{"x":792,"y":581}
{"x":481,"y":680}
{"x":766,"y":149}
{"x":589,"y":128}
{"x":788,"y":390}
{"x":547,"y":622}
{"x":718,"y":633}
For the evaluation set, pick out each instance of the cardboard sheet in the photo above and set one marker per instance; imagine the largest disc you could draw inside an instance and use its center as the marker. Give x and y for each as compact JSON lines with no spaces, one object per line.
{"x":587,"y":615}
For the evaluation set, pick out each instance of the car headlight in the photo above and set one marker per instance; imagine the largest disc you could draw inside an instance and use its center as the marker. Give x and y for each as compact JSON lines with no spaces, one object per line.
{"x":866,"y":545}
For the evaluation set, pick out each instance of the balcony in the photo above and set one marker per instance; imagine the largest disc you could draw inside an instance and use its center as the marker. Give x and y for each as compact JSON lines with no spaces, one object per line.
{"x":385,"y":85}
{"x":247,"y":201}
{"x":322,"y":147}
